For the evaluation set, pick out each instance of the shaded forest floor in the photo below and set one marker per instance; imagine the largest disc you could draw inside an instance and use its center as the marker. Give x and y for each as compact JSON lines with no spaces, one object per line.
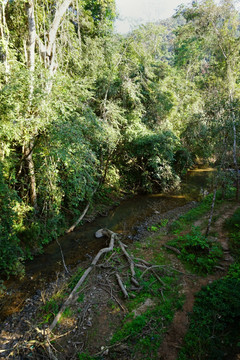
{"x":150,"y":324}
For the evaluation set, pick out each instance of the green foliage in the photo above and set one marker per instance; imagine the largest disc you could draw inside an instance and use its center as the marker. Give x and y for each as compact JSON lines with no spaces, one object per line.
{"x":150,"y":159}
{"x":214,"y":324}
{"x":196,"y":250}
{"x":156,"y":227}
{"x":143,"y":333}
{"x":80,"y":298}
{"x":232,"y":224}
{"x":49,"y":310}
{"x":11,"y":253}
{"x":67,"y":313}
{"x":84,"y":356}
{"x":194,"y":214}
{"x":183,"y":160}
{"x":75,"y":278}
{"x":234,"y":271}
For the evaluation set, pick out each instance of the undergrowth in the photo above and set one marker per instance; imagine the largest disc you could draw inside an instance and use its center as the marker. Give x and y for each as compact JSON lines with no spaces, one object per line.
{"x":200,"y":253}
{"x":214,"y":323}
{"x":233,"y":226}
{"x":144,"y":333}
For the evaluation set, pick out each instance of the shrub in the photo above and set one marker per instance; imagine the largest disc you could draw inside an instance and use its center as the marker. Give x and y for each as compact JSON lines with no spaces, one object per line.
{"x":11,"y":253}
{"x":214,"y":324}
{"x":198,"y":251}
{"x":233,"y":226}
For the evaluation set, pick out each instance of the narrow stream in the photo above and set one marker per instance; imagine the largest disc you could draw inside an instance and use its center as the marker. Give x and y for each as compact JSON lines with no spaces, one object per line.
{"x":81,"y":244}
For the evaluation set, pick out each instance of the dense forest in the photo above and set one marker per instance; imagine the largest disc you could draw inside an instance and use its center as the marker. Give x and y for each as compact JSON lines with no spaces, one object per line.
{"x":87,"y":113}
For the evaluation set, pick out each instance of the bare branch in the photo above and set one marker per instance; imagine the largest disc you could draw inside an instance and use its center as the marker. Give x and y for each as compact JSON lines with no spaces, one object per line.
{"x":120,"y":283}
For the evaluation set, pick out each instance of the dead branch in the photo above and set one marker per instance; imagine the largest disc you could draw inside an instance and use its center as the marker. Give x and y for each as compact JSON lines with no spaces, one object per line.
{"x":115,"y":299}
{"x":125,"y":293}
{"x":72,"y":296}
{"x":157,"y":277}
{"x":152,"y":270}
{"x":64,"y":264}
{"x":79,"y":219}
{"x":211,"y":213}
{"x":82,"y":215}
{"x":143,"y":261}
{"x":141,"y":266}
{"x":173,"y":249}
{"x":131,"y":263}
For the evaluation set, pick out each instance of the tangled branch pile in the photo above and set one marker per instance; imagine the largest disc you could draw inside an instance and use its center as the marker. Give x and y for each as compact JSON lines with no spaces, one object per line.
{"x":110,"y":276}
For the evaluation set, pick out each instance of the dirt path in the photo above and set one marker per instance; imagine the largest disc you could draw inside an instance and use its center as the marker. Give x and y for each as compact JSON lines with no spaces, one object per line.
{"x":173,"y":340}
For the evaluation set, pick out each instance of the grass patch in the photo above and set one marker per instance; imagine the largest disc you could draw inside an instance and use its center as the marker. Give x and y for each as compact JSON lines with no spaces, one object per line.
{"x":67,"y":313}
{"x":152,"y":246}
{"x":197,"y":251}
{"x":194,"y":214}
{"x":75,"y":278}
{"x":85,"y":356}
{"x":49,"y":311}
{"x":52,"y":306}
{"x":163,"y":223}
{"x":144,"y":333}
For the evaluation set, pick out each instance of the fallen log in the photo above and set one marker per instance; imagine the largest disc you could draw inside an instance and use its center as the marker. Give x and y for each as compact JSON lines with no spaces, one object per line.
{"x":82,"y":215}
{"x":79,"y":219}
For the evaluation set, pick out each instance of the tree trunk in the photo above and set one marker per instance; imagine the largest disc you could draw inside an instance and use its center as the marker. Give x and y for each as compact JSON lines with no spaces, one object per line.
{"x":61,"y":10}
{"x":235,"y":155}
{"x":31,"y":45}
{"x":211,"y":214}
{"x":48,"y":51}
{"x":4,"y":35}
{"x":28,"y":152}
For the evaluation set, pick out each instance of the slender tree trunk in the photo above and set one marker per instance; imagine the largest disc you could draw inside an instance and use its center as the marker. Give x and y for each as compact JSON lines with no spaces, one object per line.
{"x":28,"y":153}
{"x":235,"y":155}
{"x":48,"y":50}
{"x":234,"y":138}
{"x":61,"y":10}
{"x":31,"y":66}
{"x":31,"y":45}
{"x":4,"y":35}
{"x":211,"y":213}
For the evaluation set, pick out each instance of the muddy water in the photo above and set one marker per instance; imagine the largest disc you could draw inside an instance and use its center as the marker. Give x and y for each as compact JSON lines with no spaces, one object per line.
{"x":81,"y":244}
